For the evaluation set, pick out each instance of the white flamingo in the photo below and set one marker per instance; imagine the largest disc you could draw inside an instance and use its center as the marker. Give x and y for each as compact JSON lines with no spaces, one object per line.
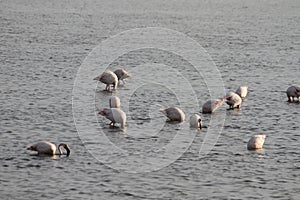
{"x":233,"y":100}
{"x":174,"y":114}
{"x":242,"y":91}
{"x":256,"y":142}
{"x":292,"y":92}
{"x":212,"y":105}
{"x":49,"y":148}
{"x":115,"y":115}
{"x":114,"y":102}
{"x":122,"y":74}
{"x":109,"y":78}
{"x":196,"y":121}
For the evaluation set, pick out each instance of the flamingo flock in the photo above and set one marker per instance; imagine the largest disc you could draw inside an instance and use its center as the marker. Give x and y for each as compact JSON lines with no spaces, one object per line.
{"x":116,"y":115}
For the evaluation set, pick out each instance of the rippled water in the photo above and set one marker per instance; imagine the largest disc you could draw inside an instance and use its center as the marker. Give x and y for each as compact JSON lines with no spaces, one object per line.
{"x":43,"y":45}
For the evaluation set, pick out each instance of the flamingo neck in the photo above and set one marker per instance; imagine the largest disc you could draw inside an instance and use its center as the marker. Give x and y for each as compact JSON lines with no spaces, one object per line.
{"x":59,"y":150}
{"x":66,"y":148}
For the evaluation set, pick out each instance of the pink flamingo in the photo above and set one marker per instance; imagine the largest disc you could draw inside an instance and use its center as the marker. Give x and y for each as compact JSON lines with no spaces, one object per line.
{"x":109,"y":78}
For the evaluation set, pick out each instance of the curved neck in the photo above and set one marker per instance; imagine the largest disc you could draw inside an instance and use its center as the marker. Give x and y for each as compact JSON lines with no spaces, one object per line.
{"x":66,"y":147}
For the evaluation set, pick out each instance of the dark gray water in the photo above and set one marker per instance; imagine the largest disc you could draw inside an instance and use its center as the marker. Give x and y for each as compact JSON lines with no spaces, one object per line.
{"x":44,"y":44}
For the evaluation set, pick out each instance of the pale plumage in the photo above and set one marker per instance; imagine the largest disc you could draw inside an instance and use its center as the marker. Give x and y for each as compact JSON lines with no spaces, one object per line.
{"x":49,"y":148}
{"x":122,"y":74}
{"x":196,"y":121}
{"x":174,"y":114}
{"x":115,"y":115}
{"x":114,"y":102}
{"x":233,"y":100}
{"x":292,"y":92}
{"x":211,"y":105}
{"x":242,"y":91}
{"x":109,"y":78}
{"x":256,"y":142}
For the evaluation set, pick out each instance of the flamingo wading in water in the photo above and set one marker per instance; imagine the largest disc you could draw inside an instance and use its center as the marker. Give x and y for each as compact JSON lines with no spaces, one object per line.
{"x":211,"y":106}
{"x":233,"y":100}
{"x":174,"y":114}
{"x":109,"y":78}
{"x":196,"y":121}
{"x":114,"y":102}
{"x":256,"y":142}
{"x":122,"y":74}
{"x":292,"y":92}
{"x":115,"y":115}
{"x":48,"y":148}
{"x":242,"y":91}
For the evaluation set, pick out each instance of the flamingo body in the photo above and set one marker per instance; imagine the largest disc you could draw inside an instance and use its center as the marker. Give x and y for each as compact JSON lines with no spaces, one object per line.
{"x":122,"y":74}
{"x":109,"y":78}
{"x":233,"y":100}
{"x":114,"y":102}
{"x":115,"y":115}
{"x":256,"y":142}
{"x":292,"y":92}
{"x":174,"y":114}
{"x":242,"y":91}
{"x":211,"y":105}
{"x":196,"y":121}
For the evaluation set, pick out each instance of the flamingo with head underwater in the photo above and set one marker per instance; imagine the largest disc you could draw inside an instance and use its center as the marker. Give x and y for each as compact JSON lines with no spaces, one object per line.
{"x":292,"y":92}
{"x":48,"y":148}
{"x":122,"y":74}
{"x":195,"y":121}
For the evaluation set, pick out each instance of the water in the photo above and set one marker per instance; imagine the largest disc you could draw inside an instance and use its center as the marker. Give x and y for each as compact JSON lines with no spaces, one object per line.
{"x":43,"y":44}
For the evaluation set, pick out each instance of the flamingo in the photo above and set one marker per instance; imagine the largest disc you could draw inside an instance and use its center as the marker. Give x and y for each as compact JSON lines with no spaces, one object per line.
{"x":256,"y":142}
{"x":114,"y":102}
{"x":233,"y":100}
{"x":49,"y":148}
{"x":174,"y":114}
{"x":242,"y":91}
{"x":211,"y":105}
{"x":122,"y":74}
{"x":196,"y":121}
{"x":115,"y":115}
{"x":108,"y":77}
{"x":292,"y":92}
